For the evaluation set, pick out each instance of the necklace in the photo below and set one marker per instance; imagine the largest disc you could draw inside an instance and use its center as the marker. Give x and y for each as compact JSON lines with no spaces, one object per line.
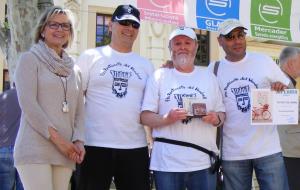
{"x":65,"y":105}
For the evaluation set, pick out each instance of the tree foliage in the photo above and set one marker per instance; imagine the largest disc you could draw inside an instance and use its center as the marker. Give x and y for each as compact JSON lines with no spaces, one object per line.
{"x":16,"y":35}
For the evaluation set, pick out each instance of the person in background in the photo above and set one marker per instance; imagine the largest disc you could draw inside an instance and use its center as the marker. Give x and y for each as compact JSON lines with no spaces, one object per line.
{"x":51,"y":135}
{"x":10,"y":114}
{"x":114,"y":79}
{"x":289,"y":61}
{"x":247,"y":147}
{"x":177,"y":167}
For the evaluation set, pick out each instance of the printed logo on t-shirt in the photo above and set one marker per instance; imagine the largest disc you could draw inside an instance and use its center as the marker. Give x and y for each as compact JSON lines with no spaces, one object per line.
{"x":239,"y":88}
{"x":120,"y":82}
{"x":184,"y":92}
{"x":177,"y":95}
{"x":242,"y":97}
{"x":121,"y":73}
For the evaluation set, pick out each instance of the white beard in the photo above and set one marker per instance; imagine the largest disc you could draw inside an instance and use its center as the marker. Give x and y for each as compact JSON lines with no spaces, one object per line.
{"x":182,"y":60}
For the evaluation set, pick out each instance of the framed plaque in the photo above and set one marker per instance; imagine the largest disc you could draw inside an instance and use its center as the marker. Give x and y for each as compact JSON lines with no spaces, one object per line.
{"x":194,"y":107}
{"x":199,"y":109}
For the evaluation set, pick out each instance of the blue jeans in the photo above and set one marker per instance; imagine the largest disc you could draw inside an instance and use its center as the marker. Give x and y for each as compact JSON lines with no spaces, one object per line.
{"x":9,"y":178}
{"x":270,"y":173}
{"x":196,"y":180}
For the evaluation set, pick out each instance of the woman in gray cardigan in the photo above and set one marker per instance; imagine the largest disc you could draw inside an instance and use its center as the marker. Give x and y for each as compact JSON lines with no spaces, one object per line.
{"x":50,"y":138}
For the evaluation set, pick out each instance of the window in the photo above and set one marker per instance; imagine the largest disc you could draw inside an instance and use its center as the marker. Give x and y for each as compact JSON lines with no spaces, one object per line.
{"x":6,"y":82}
{"x":202,"y":56}
{"x":5,"y":13}
{"x":102,"y":34}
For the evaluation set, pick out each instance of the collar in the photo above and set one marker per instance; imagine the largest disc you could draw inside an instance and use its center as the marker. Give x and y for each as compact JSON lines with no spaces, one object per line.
{"x":294,"y":82}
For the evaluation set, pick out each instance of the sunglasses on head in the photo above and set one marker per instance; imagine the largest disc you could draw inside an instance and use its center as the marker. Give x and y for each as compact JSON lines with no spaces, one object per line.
{"x":231,"y":37}
{"x":134,"y":24}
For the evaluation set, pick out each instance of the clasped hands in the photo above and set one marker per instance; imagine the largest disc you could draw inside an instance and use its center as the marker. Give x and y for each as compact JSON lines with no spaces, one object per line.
{"x":73,"y":150}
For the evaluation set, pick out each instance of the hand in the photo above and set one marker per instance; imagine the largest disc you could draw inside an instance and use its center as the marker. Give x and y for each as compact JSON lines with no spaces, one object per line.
{"x":211,"y":118}
{"x":67,"y":148}
{"x":278,"y":86}
{"x":168,"y":64}
{"x":175,"y":114}
{"x":80,"y":147}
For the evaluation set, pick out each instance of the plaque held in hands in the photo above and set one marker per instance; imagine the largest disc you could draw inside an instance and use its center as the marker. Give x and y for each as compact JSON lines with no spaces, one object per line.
{"x":199,"y":109}
{"x":194,"y":107}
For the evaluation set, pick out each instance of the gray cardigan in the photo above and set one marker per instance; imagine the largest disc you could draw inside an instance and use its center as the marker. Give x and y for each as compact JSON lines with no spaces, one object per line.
{"x":40,"y":94}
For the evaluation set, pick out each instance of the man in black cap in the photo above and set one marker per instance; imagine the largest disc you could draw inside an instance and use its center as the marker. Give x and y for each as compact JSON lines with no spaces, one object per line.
{"x":114,"y":79}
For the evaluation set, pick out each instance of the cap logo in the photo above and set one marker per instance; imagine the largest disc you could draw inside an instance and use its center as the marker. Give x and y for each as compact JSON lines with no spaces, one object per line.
{"x":129,"y":10}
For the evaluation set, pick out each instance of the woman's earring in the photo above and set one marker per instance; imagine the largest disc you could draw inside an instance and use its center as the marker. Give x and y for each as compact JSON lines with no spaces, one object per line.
{"x":43,"y":35}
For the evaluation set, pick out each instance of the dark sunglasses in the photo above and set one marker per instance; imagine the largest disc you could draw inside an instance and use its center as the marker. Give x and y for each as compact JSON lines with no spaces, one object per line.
{"x":55,"y":25}
{"x":230,"y":37}
{"x":134,"y":24}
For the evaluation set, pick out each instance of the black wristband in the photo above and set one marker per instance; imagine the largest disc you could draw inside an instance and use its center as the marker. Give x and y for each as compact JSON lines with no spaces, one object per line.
{"x":220,"y":121}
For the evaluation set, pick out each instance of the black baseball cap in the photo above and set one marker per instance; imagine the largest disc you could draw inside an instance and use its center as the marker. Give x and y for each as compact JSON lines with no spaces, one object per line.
{"x":126,"y":12}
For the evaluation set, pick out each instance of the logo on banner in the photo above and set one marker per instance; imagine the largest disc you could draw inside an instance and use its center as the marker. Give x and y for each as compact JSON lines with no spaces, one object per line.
{"x":270,"y":13}
{"x":165,"y":11}
{"x":216,"y":7}
{"x":160,"y":4}
{"x":270,"y":19}
{"x":214,"y":12}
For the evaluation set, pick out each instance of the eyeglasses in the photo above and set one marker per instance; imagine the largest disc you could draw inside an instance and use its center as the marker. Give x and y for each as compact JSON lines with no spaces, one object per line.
{"x":134,"y":24}
{"x":230,"y":37}
{"x":55,"y":26}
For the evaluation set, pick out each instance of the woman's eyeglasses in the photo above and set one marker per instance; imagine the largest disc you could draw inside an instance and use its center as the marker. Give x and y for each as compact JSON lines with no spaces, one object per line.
{"x":134,"y":24}
{"x":230,"y":37}
{"x":55,"y":26}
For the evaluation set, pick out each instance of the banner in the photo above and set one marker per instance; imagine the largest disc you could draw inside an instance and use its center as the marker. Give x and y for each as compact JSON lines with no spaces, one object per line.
{"x":268,"y":19}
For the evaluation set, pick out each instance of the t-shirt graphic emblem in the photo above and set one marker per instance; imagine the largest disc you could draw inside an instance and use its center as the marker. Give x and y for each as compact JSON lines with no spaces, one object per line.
{"x":242,"y":97}
{"x":178,"y":98}
{"x":120,"y":82}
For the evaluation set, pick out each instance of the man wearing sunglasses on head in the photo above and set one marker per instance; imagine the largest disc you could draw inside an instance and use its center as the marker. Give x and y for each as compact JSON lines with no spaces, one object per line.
{"x":247,"y":147}
{"x":114,"y":80}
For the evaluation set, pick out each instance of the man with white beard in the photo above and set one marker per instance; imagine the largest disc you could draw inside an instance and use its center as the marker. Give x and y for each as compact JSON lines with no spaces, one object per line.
{"x":165,"y":110}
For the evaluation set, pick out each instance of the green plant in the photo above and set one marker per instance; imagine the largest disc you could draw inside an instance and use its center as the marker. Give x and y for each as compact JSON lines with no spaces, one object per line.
{"x":5,"y":26}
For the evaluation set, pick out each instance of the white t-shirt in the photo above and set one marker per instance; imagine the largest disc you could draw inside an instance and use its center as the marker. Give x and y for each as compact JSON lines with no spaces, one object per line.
{"x":164,"y":91}
{"x":114,"y":83}
{"x":242,"y":140}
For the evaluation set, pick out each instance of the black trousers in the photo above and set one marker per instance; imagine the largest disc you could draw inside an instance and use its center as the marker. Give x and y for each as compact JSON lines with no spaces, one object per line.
{"x":128,"y":167}
{"x":293,"y":172}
